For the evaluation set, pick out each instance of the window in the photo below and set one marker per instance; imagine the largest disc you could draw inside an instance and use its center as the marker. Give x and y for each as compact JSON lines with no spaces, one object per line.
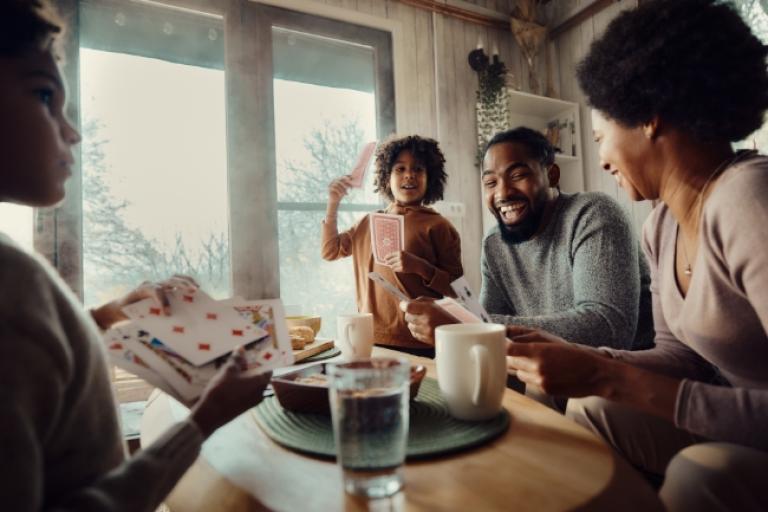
{"x":154,"y":149}
{"x":330,"y":95}
{"x":199,"y":161}
{"x":755,"y":13}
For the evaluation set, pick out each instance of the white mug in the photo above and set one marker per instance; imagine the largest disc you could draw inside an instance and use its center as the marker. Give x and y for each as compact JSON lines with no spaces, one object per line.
{"x":355,"y":335}
{"x":471,"y":368}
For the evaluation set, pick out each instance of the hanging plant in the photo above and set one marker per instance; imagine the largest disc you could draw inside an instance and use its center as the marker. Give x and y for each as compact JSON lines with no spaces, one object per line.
{"x":492,"y":112}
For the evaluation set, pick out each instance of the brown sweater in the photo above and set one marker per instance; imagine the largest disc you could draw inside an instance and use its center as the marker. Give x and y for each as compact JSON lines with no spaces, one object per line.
{"x":717,"y":332}
{"x":429,"y":236}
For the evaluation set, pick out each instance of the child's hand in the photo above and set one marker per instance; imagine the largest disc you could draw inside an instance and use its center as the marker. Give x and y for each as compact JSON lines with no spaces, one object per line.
{"x":338,"y":188}
{"x":422,"y":316}
{"x":408,"y":263}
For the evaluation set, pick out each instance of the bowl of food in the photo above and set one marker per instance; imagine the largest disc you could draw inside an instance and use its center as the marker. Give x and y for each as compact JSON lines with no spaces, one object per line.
{"x":312,"y":321}
{"x":306,"y":390}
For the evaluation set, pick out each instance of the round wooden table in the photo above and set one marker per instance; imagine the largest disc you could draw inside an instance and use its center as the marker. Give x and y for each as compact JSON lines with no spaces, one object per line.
{"x":543,"y":462}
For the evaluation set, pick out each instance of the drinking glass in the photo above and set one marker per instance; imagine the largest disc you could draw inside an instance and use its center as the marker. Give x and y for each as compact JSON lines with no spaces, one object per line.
{"x":369,"y":409}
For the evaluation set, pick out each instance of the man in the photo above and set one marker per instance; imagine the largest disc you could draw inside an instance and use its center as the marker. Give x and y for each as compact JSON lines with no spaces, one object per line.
{"x":566,"y":263}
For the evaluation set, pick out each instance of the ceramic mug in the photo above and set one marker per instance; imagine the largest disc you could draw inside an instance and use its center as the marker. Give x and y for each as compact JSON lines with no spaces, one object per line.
{"x":471,"y":368}
{"x":355,"y":335}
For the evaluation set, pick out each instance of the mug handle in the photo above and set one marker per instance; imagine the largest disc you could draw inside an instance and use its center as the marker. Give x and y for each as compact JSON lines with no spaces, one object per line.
{"x":481,"y":361}
{"x":347,"y":339}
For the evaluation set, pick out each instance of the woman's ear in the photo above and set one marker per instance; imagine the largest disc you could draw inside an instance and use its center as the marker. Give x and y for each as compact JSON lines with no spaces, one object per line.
{"x":652,"y":128}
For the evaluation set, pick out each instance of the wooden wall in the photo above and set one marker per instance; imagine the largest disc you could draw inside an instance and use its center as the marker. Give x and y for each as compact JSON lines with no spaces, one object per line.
{"x":567,"y":50}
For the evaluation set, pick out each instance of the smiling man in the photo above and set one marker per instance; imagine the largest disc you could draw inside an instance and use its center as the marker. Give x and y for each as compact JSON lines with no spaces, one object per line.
{"x":567,"y":263}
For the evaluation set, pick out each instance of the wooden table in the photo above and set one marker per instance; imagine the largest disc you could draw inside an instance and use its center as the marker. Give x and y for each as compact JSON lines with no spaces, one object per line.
{"x":543,"y":462}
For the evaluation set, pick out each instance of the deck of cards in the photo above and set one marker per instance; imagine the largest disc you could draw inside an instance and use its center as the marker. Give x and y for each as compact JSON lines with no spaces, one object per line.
{"x":180,"y":353}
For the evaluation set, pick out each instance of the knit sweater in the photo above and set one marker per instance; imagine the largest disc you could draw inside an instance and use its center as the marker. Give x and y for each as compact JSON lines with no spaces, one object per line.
{"x":429,"y":236}
{"x":60,"y":442}
{"x":719,"y":329}
{"x":582,"y":277}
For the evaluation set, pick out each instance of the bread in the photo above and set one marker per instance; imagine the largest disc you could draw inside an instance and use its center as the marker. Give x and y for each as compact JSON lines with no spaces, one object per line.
{"x":301,"y":335}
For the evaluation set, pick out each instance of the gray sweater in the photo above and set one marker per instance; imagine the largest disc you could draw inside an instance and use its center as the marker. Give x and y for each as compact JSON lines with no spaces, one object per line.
{"x":60,"y":443}
{"x":583,"y":277}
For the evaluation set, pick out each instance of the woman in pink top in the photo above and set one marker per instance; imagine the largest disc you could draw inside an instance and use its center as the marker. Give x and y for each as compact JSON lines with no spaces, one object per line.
{"x":672,"y":84}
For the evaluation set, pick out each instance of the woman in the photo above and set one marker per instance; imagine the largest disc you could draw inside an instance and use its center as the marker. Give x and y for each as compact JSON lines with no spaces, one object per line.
{"x":672,"y":84}
{"x":60,"y":444}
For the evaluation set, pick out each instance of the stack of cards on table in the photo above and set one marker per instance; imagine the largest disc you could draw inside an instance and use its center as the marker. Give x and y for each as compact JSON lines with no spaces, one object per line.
{"x":180,"y":353}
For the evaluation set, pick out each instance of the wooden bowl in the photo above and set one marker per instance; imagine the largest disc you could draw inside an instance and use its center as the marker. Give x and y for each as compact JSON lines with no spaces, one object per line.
{"x":314,"y":398}
{"x":309,"y":320}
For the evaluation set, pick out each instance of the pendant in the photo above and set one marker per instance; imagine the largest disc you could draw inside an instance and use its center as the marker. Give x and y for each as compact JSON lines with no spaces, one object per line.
{"x":687,"y":270}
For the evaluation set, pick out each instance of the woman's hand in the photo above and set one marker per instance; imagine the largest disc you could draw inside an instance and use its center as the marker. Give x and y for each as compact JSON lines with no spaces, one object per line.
{"x":339,"y":188}
{"x":408,"y":263}
{"x":230,"y":393}
{"x":112,"y":312}
{"x":556,"y":366}
{"x":422,"y":316}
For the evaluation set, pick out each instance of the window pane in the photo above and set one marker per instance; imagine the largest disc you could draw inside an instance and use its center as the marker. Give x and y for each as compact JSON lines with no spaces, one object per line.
{"x":325,"y":111}
{"x":17,"y":222}
{"x":154,"y":173}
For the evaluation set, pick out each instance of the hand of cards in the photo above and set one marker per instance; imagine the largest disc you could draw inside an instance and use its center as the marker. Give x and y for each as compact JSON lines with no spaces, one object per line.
{"x":180,"y":353}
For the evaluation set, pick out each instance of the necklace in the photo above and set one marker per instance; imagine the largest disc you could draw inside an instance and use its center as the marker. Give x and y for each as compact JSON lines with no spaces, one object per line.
{"x":700,"y":199}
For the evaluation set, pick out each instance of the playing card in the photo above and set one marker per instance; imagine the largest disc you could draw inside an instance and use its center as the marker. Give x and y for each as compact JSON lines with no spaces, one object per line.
{"x":459,"y":312}
{"x":363,"y":160}
{"x":125,"y":350}
{"x":274,"y":350}
{"x":462,"y":289}
{"x":379,"y":279}
{"x":387,"y":235}
{"x":199,"y":329}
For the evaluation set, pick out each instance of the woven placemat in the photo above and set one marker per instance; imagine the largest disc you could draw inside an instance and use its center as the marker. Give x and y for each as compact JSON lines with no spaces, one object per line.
{"x":326,"y":354}
{"x":432,"y":431}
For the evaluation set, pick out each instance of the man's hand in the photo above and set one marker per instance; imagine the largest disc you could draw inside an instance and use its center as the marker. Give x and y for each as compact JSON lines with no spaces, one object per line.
{"x":112,"y":312}
{"x":230,"y":393}
{"x":408,"y":263}
{"x":422,"y":316}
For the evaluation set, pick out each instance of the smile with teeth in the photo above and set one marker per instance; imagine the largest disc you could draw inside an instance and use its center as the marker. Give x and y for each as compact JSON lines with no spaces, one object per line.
{"x":512,"y":209}
{"x":409,"y":186}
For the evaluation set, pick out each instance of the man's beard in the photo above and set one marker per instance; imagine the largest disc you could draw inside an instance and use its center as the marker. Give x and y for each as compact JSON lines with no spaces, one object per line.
{"x":523,"y":231}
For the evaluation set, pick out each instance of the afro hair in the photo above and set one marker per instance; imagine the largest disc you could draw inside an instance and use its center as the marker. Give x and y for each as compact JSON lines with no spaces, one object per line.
{"x":425,"y":151}
{"x":693,"y":63}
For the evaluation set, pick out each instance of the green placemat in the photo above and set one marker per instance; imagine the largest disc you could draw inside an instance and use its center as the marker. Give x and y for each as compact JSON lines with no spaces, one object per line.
{"x":325,"y":354}
{"x":432,"y":431}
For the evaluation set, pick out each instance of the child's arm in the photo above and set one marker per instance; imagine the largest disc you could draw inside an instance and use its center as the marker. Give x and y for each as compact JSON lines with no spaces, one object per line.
{"x":334,"y":245}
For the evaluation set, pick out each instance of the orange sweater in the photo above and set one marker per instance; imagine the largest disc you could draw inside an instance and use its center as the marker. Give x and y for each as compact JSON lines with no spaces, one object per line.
{"x":429,"y":236}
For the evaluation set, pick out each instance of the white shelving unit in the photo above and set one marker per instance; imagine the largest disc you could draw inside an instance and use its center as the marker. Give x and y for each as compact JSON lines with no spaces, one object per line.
{"x":537,"y":112}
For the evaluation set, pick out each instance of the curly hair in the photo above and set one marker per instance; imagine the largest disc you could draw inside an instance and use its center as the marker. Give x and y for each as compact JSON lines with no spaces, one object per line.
{"x":537,"y":145}
{"x":693,"y":63}
{"x":27,"y":26}
{"x":425,"y":151}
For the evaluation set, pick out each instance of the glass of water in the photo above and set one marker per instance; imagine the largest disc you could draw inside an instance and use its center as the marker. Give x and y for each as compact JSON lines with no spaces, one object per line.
{"x":369,"y":409}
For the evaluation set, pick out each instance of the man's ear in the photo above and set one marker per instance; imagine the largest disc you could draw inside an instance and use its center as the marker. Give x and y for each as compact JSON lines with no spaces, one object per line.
{"x":553,"y":175}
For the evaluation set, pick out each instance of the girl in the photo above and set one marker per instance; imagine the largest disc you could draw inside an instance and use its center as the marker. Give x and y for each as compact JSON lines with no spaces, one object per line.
{"x":410,"y":173}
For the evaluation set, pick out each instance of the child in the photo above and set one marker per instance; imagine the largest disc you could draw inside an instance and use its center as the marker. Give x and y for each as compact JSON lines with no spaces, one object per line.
{"x":410,"y":173}
{"x":60,"y":442}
